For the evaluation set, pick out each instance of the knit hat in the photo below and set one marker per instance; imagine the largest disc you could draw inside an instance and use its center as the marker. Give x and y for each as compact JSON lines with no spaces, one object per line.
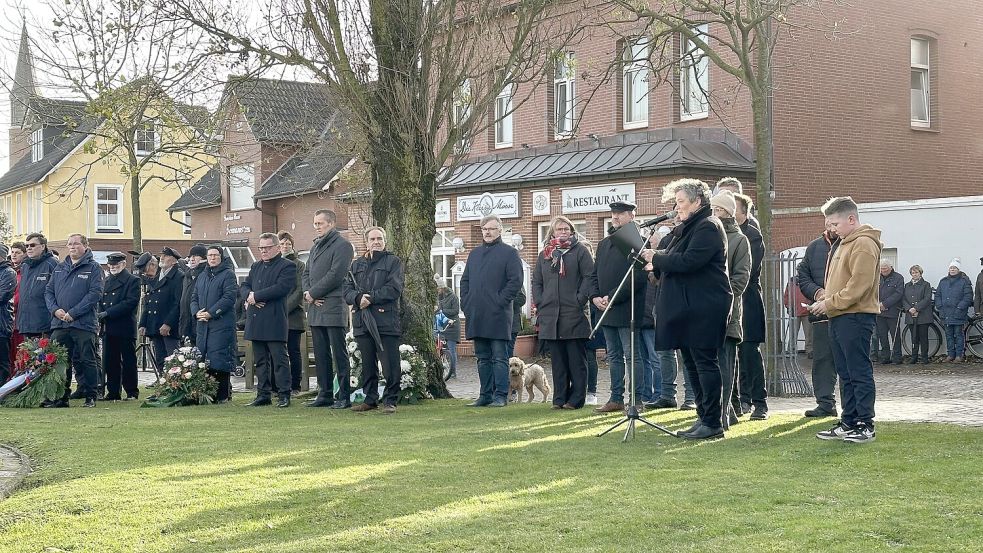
{"x":725,"y":200}
{"x":200,"y":250}
{"x":956,"y":263}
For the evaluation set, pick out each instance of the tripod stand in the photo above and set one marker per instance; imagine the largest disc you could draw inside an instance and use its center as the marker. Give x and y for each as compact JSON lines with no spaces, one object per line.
{"x":632,"y":416}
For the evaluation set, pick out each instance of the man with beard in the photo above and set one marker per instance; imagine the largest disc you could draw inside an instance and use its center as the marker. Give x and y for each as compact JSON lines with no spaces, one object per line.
{"x":162,"y":307}
{"x":196,"y":264}
{"x":117,"y":313}
{"x":811,"y":276}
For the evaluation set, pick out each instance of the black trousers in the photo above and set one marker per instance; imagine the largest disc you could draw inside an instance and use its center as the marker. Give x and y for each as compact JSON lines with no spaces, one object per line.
{"x":331,"y":357}
{"x":919,"y":342}
{"x":81,"y":346}
{"x":823,"y":367}
{"x":272,"y":367}
{"x":163,"y":346}
{"x":371,"y":357}
{"x":751,"y":374}
{"x":727,"y":359}
{"x":890,"y":348}
{"x":224,"y":386}
{"x":4,"y":359}
{"x":296,"y":363}
{"x":119,"y":363}
{"x":569,"y":372}
{"x":704,"y":374}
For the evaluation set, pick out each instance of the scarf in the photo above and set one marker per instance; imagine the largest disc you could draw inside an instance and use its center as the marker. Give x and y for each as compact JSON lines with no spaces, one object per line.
{"x":555,"y":250}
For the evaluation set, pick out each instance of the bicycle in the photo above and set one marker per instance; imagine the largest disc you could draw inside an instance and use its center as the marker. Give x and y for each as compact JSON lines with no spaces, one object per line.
{"x":972,"y":334}
{"x":440,"y":324}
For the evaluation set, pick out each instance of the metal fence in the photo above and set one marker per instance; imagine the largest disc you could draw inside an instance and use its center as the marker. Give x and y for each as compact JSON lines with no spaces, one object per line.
{"x":785,"y":372}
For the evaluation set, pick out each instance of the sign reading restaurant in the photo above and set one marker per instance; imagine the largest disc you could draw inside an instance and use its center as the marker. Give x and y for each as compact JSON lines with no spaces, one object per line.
{"x":505,"y":205}
{"x":589,"y":199}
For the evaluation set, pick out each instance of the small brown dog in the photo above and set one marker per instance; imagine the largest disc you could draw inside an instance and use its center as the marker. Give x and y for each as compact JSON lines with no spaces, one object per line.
{"x":526,"y":376}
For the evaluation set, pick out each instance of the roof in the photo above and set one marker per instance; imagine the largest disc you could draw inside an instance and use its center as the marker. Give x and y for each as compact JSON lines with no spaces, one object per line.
{"x":305,"y":173}
{"x":284,"y":112}
{"x":56,"y":113}
{"x":205,"y":193}
{"x":625,"y":155}
{"x":24,"y":171}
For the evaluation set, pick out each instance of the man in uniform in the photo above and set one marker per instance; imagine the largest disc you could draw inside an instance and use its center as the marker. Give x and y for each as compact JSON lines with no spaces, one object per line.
{"x":161,"y":307}
{"x":117,"y":314}
{"x":196,"y":264}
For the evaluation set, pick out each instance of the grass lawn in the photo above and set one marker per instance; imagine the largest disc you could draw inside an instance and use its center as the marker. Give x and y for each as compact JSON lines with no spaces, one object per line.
{"x":444,"y":477}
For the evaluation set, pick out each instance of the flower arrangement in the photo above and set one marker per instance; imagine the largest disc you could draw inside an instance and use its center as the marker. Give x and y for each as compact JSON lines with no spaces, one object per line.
{"x":354,"y":357}
{"x":413,"y":375}
{"x":39,"y":373}
{"x":185,"y":382}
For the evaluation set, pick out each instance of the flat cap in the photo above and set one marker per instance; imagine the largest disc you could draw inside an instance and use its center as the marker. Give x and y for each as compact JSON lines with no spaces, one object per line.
{"x":143,"y":260}
{"x":171,"y":252}
{"x":622,"y":206}
{"x":115,"y":257}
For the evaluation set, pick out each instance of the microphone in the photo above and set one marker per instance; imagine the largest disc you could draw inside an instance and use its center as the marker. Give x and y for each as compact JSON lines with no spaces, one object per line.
{"x":657,"y":220}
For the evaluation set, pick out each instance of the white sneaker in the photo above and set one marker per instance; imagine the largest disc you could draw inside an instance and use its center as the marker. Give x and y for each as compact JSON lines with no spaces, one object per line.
{"x":591,"y":399}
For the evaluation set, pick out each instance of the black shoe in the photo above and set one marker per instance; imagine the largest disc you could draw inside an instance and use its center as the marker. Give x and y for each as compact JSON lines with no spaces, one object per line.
{"x":688,"y":405}
{"x":926,"y":362}
{"x":77,"y":394}
{"x":55,"y":404}
{"x":690,"y":430}
{"x":887,"y":362}
{"x":820,"y":412}
{"x":745,"y":409}
{"x":284,"y":402}
{"x":341,"y":404}
{"x":499,"y":402}
{"x":704,"y":433}
{"x":480,"y":403}
{"x":112,"y":398}
{"x":662,"y":403}
{"x":259,"y":402}
{"x":320,"y":402}
{"x":89,"y":402}
{"x":132,"y":398}
{"x":759,"y":414}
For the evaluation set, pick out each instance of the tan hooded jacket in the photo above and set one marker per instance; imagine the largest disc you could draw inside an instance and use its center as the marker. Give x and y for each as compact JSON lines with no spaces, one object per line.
{"x":852,"y":281}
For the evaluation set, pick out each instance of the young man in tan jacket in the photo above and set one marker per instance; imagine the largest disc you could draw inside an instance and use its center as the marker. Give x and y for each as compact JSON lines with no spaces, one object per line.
{"x":851,"y":303}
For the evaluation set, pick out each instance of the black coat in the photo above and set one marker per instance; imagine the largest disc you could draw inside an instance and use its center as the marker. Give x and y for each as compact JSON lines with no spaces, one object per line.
{"x":517,"y":303}
{"x":610,"y":266}
{"x":919,"y":296}
{"x":33,"y":316}
{"x":186,"y":320}
{"x":120,"y":297}
{"x":695,"y":298}
{"x":381,"y":277}
{"x":216,"y":291}
{"x":953,"y":298}
{"x":753,"y":315}
{"x":561,"y":301}
{"x":891,"y":292}
{"x":270,"y":283}
{"x":448,"y":302}
{"x":162,"y":305}
{"x":8,"y":286}
{"x":324,"y":277}
{"x":492,"y":278}
{"x":296,"y":317}
{"x":811,"y":272}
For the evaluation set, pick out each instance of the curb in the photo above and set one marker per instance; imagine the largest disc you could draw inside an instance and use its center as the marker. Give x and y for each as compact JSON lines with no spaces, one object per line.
{"x":21,"y":468}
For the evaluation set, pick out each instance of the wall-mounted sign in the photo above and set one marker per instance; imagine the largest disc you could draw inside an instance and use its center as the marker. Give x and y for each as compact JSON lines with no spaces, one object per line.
{"x":231,"y":216}
{"x":505,"y":205}
{"x":442,"y":214}
{"x":540,"y":202}
{"x":229,"y":229}
{"x":596,"y":198}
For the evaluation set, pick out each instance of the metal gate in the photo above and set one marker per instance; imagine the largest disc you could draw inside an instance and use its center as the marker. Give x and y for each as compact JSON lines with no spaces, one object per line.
{"x":783,"y":372}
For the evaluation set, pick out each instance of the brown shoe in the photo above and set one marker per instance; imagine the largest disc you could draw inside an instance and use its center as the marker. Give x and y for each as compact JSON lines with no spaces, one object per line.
{"x":388,"y":409}
{"x":610,"y":407}
{"x":362,"y":407}
{"x":568,"y":406}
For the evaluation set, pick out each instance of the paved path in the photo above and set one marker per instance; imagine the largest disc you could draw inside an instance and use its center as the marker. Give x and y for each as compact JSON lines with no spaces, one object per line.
{"x":14,"y":466}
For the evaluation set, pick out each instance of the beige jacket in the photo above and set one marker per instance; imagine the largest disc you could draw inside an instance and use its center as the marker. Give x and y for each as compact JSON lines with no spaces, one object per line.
{"x":852,"y":281}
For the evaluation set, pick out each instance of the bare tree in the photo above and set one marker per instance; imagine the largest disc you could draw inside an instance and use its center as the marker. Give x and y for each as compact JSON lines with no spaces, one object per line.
{"x":418,"y":79}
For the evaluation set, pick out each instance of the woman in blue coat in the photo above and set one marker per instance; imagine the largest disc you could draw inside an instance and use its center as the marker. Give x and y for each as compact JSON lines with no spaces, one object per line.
{"x":953,"y":297}
{"x":213,"y":303}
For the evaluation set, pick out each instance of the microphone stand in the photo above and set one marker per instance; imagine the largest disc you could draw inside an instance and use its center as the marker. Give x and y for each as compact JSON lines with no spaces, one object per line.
{"x":632,"y":416}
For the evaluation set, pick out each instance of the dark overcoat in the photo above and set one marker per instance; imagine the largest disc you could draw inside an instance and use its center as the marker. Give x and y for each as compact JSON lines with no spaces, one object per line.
{"x":695,"y":298}
{"x":448,"y":302}
{"x":8,"y":286}
{"x":216,"y":291}
{"x":186,"y":320}
{"x":296,"y":318}
{"x":561,"y":301}
{"x":610,"y":266}
{"x":324,"y":277}
{"x":753,"y":315}
{"x":978,"y":294}
{"x":891,"y":292}
{"x":381,"y":277}
{"x":918,"y":295}
{"x":33,"y":316}
{"x":270,"y":283}
{"x":517,"y":303}
{"x":491,"y":280}
{"x":811,"y":272}
{"x":120,"y":297}
{"x":162,"y":305}
{"x":953,"y":297}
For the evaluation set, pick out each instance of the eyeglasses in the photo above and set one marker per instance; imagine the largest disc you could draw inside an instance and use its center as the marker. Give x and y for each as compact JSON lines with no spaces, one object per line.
{"x":489,"y":229}
{"x":32,"y":245}
{"x":267,"y":247}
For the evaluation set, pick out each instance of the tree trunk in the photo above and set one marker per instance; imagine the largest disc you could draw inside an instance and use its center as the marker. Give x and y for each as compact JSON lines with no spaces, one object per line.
{"x":135,"y":212}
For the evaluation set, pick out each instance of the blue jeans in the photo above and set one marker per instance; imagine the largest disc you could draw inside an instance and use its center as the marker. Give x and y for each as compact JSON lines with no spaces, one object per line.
{"x":452,"y":355}
{"x":668,"y":366}
{"x":850,"y":340}
{"x":651,"y":369}
{"x":618,"y":353}
{"x":510,"y":348}
{"x":493,"y":368}
{"x":955,"y":342}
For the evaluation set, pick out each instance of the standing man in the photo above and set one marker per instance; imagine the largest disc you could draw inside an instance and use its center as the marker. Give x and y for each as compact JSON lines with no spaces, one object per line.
{"x":610,"y":267}
{"x":811,"y":276}
{"x":33,"y":318}
{"x":851,"y":305}
{"x":265,"y":291}
{"x":296,"y":318}
{"x":890,"y":292}
{"x":162,"y":307}
{"x":117,"y":313}
{"x":8,"y":285}
{"x":71,"y":296}
{"x":751,"y":368}
{"x":491,"y":281}
{"x":187,"y":322}
{"x":327,"y":312}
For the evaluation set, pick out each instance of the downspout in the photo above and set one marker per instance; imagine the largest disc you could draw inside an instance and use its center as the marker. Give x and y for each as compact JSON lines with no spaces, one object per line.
{"x":170,"y":215}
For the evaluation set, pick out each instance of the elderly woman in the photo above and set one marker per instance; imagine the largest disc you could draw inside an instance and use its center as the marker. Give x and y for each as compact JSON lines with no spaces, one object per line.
{"x":917,"y":306}
{"x":213,"y":304}
{"x":560,"y":291}
{"x":373,"y":289}
{"x":695,"y":298}
{"x":953,"y":297}
{"x":739,"y":271}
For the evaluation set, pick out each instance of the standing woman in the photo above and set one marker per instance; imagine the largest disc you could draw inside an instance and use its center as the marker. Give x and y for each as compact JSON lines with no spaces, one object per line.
{"x":373,"y":289}
{"x":917,"y":305}
{"x":213,"y":303}
{"x":449,"y":304}
{"x":18,"y":252}
{"x":954,"y":296}
{"x":561,"y":290}
{"x":296,"y":317}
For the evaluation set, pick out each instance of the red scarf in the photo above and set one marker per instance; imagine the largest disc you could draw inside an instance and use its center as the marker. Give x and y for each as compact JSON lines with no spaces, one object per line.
{"x":555,"y":249}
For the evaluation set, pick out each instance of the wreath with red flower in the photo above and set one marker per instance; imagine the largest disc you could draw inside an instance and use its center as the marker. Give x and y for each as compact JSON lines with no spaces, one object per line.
{"x":39,"y":373}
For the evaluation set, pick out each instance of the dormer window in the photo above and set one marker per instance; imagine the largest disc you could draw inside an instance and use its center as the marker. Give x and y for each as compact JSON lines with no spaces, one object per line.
{"x":146,"y":139}
{"x":37,"y":145}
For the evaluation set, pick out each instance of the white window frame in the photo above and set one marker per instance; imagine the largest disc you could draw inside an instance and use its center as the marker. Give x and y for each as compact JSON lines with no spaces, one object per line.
{"x":564,"y":78}
{"x":462,"y":111}
{"x":543,"y":227}
{"x":31,"y":212}
{"x":694,"y":78}
{"x":37,"y":145}
{"x":923,"y":69}
{"x":39,"y":208}
{"x":445,"y":250}
{"x":21,"y":209}
{"x":635,"y":80}
{"x":118,"y":202}
{"x":242,"y":184}
{"x":141,"y":139}
{"x":504,"y":129}
{"x":187,"y":221}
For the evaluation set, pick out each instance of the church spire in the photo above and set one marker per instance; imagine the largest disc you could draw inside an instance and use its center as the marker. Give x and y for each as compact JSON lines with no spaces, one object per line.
{"x":23,"y":89}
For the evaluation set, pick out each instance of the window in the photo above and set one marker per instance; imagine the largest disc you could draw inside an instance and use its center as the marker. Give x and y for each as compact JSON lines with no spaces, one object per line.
{"x":503,"y":118}
{"x":920,"y":97}
{"x":242,"y":182}
{"x":442,"y":256}
{"x":31,"y":212}
{"x":544,"y":228}
{"x":462,"y":110}
{"x":635,"y":84}
{"x":39,"y":208}
{"x":37,"y":145}
{"x":694,"y":78}
{"x":564,"y":73}
{"x":109,"y":209}
{"x":21,"y":211}
{"x":187,"y":221}
{"x":146,"y":139}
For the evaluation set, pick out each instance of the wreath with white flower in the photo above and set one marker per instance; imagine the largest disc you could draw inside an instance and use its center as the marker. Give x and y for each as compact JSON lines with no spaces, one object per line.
{"x":185,"y":382}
